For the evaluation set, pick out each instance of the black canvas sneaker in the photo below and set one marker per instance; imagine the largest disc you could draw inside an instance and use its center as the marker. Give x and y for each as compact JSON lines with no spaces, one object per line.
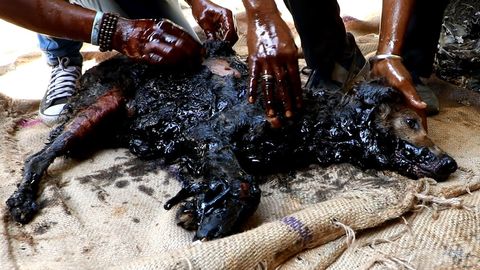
{"x":61,"y":87}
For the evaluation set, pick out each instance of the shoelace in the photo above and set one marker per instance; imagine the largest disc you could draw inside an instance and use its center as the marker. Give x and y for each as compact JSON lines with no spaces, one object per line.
{"x":63,"y":80}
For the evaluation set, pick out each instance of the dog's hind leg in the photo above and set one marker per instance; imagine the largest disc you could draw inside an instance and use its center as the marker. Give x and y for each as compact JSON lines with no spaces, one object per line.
{"x":21,"y":203}
{"x":224,"y":200}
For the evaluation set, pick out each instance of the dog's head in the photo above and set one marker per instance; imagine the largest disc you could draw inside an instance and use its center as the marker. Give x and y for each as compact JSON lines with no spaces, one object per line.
{"x":397,"y":138}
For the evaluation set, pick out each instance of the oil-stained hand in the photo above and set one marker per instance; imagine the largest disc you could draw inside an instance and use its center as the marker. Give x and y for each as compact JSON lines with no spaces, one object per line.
{"x":156,"y":42}
{"x":397,"y":76}
{"x":273,"y":63}
{"x":217,"y":22}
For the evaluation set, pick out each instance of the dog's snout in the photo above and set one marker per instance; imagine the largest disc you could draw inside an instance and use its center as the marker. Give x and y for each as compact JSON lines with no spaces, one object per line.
{"x":447,"y":165}
{"x":450,"y":164}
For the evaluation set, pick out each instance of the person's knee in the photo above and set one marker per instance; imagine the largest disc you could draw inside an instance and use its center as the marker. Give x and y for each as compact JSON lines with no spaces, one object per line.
{"x":103,"y":5}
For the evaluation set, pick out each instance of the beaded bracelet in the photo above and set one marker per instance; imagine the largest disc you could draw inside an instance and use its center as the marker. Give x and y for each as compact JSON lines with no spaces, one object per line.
{"x":379,"y":57}
{"x":107,"y":29}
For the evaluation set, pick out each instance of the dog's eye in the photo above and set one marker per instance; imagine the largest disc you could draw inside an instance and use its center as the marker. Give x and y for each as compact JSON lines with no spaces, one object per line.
{"x":412,"y":123}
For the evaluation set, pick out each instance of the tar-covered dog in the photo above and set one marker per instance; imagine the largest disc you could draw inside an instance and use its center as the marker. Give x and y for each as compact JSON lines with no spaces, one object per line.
{"x":200,"y":122}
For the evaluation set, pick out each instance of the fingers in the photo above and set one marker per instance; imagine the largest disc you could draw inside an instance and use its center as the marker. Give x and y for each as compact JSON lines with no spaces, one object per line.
{"x":268,"y":86}
{"x":230,"y":36}
{"x":295,"y":83}
{"x":225,"y":33}
{"x":413,"y":99}
{"x":169,"y":44}
{"x":279,"y":85}
{"x":218,"y":23}
{"x":399,"y":77}
{"x":230,"y":32}
{"x":252,"y":80}
{"x":282,"y":90}
{"x":423,"y":116}
{"x":210,"y":34}
{"x":153,"y":58}
{"x":158,"y":42}
{"x":415,"y":102}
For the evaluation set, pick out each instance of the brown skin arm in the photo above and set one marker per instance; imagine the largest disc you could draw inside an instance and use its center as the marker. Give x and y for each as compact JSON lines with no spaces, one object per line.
{"x":217,"y":22}
{"x":56,"y":17}
{"x":156,"y":42}
{"x":273,"y":55}
{"x":395,"y":17}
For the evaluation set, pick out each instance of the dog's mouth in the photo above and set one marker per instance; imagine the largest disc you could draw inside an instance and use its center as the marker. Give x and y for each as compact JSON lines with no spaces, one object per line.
{"x":439,"y":170}
{"x":417,"y":162}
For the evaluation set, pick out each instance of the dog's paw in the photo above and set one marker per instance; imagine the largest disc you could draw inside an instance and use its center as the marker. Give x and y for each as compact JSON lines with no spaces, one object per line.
{"x":22,"y":205}
{"x":217,"y":208}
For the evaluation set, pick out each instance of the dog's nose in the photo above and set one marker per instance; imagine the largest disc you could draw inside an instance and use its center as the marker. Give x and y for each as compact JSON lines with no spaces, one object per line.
{"x":447,"y":165}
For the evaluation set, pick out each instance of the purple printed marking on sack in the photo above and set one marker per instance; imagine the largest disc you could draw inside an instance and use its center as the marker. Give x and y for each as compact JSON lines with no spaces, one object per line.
{"x":25,"y":123}
{"x":299,"y":227}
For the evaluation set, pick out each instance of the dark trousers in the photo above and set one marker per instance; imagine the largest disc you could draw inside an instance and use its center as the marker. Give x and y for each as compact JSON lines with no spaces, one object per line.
{"x":421,"y":40}
{"x":323,"y":35}
{"x":321,"y":32}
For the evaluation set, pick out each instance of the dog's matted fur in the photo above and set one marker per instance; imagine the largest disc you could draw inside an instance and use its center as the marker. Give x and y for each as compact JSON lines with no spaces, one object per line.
{"x":199,"y":123}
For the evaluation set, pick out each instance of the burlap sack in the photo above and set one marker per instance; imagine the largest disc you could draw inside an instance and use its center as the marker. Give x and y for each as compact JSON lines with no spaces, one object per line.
{"x":106,"y":210}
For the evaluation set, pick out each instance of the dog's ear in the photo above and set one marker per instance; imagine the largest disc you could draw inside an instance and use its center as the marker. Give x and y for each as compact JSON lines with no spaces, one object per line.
{"x":374,"y":93}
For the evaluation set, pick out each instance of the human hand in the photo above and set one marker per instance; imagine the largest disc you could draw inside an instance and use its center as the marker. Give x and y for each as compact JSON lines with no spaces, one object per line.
{"x":217,"y":22}
{"x":398,"y":77}
{"x":156,"y":42}
{"x":273,"y":62}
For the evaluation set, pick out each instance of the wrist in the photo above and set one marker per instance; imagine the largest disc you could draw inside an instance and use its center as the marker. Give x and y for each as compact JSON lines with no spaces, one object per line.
{"x":384,"y":56}
{"x":388,"y":44}
{"x":263,"y":8}
{"x":259,"y":19}
{"x":119,"y":36}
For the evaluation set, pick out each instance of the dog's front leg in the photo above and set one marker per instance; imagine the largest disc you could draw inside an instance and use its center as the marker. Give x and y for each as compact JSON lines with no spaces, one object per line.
{"x":21,"y":203}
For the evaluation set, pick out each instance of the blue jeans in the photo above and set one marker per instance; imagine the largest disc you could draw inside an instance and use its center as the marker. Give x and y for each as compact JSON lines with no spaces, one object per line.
{"x":55,"y":48}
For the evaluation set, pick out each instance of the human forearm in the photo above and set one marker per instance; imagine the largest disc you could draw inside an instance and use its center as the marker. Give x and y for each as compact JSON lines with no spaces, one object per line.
{"x":395,"y":17}
{"x":255,"y":8}
{"x":387,"y":63}
{"x":55,"y":17}
{"x":264,"y":22}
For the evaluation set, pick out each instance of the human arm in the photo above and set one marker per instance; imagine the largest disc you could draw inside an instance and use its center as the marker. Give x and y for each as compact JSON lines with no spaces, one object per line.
{"x":217,"y":22}
{"x":155,"y":42}
{"x":395,"y":17}
{"x":55,"y":18}
{"x":272,"y":52}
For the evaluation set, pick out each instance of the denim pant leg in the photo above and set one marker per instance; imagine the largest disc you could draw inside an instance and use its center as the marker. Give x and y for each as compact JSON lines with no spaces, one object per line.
{"x":55,"y":48}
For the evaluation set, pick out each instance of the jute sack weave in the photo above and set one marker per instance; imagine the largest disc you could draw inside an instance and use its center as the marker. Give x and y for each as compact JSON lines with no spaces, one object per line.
{"x":272,"y":243}
{"x":106,"y":211}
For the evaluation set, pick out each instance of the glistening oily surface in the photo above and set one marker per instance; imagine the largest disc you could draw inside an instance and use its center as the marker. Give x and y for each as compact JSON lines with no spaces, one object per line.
{"x":198,"y":122}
